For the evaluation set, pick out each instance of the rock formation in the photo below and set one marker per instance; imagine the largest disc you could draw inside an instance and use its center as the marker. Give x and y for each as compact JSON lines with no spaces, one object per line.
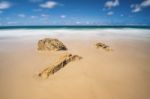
{"x":51,"y":45}
{"x":103,"y":46}
{"x":60,"y":63}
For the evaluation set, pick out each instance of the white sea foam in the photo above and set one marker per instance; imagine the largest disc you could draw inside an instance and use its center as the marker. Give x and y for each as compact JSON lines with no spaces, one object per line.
{"x":78,"y":33}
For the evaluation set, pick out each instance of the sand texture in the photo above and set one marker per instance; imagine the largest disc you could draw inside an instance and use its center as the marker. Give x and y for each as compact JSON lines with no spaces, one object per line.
{"x":123,"y":73}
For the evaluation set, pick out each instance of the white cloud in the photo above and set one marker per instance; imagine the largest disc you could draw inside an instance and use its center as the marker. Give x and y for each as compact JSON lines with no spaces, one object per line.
{"x":49,"y":4}
{"x":136,"y":8}
{"x":63,"y":16}
{"x":145,"y":3}
{"x":22,"y":15}
{"x":33,"y":17}
{"x":139,"y":7}
{"x":44,"y":15}
{"x":4,"y":5}
{"x":11,"y":22}
{"x":110,"y":13}
{"x":110,"y":4}
{"x":78,"y":22}
{"x":87,"y":22}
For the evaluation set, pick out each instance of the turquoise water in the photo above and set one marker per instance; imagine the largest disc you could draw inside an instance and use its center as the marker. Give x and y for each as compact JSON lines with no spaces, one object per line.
{"x":71,"y":27}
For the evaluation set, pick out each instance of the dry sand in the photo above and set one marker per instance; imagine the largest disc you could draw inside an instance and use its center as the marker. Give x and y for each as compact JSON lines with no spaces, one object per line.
{"x":123,"y":73}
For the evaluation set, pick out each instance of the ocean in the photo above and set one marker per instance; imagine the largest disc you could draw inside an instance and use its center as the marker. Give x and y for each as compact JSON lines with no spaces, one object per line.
{"x":72,"y":27}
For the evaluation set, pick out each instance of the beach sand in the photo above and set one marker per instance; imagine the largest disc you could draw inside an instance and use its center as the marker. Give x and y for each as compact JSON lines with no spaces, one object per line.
{"x":123,"y":73}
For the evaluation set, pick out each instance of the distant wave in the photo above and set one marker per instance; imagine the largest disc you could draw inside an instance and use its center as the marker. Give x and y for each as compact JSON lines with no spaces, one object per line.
{"x":78,"y":33}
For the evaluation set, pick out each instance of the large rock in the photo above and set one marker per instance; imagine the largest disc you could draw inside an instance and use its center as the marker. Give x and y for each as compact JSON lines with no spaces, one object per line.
{"x":51,"y":45}
{"x":62,"y":61}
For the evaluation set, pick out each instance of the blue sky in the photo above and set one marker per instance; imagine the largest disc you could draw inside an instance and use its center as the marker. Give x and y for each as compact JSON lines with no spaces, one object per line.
{"x":74,"y":12}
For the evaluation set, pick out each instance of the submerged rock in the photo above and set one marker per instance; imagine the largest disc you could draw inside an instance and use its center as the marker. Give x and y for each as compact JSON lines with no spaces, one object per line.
{"x":103,"y":46}
{"x":60,"y":63}
{"x":51,"y":45}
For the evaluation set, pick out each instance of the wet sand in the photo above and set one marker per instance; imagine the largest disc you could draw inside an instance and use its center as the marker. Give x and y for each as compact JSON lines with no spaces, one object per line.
{"x":123,"y":73}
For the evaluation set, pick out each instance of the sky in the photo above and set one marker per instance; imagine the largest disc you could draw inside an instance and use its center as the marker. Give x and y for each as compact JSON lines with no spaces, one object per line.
{"x":74,"y":12}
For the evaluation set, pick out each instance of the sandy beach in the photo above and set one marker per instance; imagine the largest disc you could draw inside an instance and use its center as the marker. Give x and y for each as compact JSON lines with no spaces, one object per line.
{"x":123,"y":73}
